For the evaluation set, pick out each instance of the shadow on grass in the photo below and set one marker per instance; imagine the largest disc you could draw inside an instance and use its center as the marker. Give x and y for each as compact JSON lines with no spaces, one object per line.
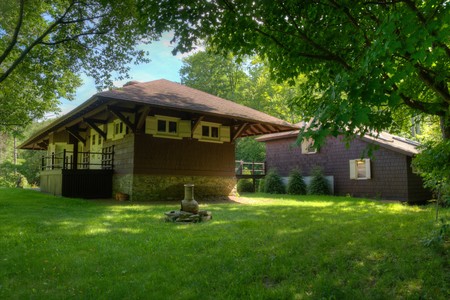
{"x":268,"y":248}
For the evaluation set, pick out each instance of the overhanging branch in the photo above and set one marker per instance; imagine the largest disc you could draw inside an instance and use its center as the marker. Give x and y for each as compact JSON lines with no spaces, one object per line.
{"x":15,"y":35}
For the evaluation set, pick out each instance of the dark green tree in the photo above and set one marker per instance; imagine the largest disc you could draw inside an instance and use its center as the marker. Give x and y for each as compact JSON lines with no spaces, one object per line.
{"x":364,"y":60}
{"x":273,"y":184}
{"x":319,"y":184}
{"x":296,"y":185}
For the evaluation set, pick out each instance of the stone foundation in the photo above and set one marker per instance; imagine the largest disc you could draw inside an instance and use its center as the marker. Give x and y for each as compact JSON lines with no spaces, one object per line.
{"x":160,"y":188}
{"x":122,"y":184}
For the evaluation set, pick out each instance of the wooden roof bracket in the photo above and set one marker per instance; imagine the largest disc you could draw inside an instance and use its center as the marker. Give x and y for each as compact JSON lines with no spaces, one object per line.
{"x":196,"y":124}
{"x":141,"y":118}
{"x":239,"y":131}
{"x":91,"y":123}
{"x":74,"y":132}
{"x":117,"y":112}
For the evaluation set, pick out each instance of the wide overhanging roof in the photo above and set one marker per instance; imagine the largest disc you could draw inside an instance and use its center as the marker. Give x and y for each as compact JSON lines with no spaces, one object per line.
{"x":167,"y":95}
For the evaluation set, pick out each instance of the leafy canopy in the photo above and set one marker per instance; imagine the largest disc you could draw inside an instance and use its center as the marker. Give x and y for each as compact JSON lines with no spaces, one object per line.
{"x":365,"y":60}
{"x":45,"y":45}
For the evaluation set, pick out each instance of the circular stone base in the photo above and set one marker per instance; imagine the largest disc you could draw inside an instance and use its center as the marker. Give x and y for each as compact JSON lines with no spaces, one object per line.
{"x":180,"y":216}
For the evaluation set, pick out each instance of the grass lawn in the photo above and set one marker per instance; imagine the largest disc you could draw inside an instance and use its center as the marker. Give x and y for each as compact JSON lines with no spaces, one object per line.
{"x":271,"y":247}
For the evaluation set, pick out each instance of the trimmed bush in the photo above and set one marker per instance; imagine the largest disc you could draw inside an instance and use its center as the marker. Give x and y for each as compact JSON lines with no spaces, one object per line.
{"x":318,"y":185}
{"x":245,"y":186}
{"x":296,"y":185}
{"x":273,"y":183}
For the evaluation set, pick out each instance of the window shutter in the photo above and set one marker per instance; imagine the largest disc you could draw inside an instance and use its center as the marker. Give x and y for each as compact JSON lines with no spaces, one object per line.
{"x":305,"y":146}
{"x":224,"y":133}
{"x":367,"y":164}
{"x":353,"y":173}
{"x":184,"y":129}
{"x":151,"y":125}
{"x":198,"y":132}
{"x":110,"y":131}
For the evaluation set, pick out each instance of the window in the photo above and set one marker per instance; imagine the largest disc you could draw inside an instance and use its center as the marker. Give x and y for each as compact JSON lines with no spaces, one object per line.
{"x":360,"y":169}
{"x":99,"y":139}
{"x":93,"y":139}
{"x":162,"y":125}
{"x":118,"y":128}
{"x":308,"y":147}
{"x":211,"y":132}
{"x":215,"y":132}
{"x":167,"y":126}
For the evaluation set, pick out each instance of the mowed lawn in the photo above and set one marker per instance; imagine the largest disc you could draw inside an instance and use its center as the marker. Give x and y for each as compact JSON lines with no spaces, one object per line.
{"x":270,"y":247}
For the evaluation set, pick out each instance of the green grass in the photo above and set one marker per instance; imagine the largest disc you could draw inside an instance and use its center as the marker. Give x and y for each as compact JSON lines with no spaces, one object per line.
{"x":273,"y":247}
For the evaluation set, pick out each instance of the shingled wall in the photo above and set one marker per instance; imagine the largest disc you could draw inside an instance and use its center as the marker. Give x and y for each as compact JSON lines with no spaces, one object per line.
{"x":392,"y":177}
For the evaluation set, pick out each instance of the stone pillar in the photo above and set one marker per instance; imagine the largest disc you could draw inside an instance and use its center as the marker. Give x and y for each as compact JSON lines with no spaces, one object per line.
{"x":188,"y":203}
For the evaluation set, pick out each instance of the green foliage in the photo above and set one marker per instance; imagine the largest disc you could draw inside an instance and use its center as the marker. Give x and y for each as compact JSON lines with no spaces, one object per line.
{"x":245,"y":186}
{"x":28,"y":162}
{"x":46,"y":44}
{"x":319,"y":184}
{"x":296,"y":185}
{"x":432,"y":164}
{"x":214,"y":74}
{"x":261,"y":185}
{"x":9,"y":177}
{"x":245,"y":81}
{"x":273,"y":183}
{"x":249,"y":150}
{"x":370,"y":64}
{"x":30,"y":165}
{"x":440,"y":235}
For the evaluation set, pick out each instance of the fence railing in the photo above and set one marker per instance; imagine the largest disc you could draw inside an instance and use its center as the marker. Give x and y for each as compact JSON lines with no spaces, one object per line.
{"x":250,"y":168}
{"x":69,"y":160}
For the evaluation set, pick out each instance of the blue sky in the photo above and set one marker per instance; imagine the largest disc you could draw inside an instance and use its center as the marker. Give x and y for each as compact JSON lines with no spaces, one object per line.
{"x":162,"y":65}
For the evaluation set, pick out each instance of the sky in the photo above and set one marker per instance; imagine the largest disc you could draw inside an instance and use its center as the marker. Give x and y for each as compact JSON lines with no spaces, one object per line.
{"x":163,"y":65}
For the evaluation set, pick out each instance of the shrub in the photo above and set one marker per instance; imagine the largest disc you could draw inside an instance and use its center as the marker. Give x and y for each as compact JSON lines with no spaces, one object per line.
{"x":296,"y":185}
{"x":8,"y":177}
{"x":261,"y":185}
{"x":273,"y":183}
{"x":318,"y":185}
{"x":434,"y":167}
{"x":245,"y":186}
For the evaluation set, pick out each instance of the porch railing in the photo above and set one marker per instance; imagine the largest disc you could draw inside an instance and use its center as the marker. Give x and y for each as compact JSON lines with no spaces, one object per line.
{"x":250,"y":168}
{"x":70,"y":160}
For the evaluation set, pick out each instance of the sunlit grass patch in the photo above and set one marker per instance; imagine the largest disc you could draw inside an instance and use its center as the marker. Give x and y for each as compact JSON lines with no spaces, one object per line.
{"x":265,"y":247}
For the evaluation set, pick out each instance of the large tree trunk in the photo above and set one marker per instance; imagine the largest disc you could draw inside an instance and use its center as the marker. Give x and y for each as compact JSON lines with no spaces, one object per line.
{"x":445,"y":127}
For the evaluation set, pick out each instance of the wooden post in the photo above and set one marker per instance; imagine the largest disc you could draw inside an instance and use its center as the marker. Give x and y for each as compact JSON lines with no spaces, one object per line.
{"x":75,"y":156}
{"x":64,"y":160}
{"x":253,"y":176}
{"x":43,"y":163}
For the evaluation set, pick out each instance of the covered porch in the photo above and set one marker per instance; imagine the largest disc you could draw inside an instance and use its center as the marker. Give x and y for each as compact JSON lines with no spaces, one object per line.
{"x":78,"y":174}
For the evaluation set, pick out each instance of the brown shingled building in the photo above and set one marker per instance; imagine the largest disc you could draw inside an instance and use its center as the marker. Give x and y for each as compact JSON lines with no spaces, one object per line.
{"x":387,"y":174}
{"x":147,"y":140}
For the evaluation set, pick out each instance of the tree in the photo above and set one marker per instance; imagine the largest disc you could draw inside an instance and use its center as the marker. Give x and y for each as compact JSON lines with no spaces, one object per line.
{"x":364,"y":60}
{"x":20,"y":163}
{"x":214,"y":74}
{"x":44,"y":45}
{"x":246,"y":81}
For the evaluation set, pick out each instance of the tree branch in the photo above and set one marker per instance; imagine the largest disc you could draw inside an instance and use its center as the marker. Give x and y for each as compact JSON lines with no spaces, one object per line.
{"x":16,"y":33}
{"x":423,"y":20}
{"x":72,"y":38}
{"x":352,"y":20}
{"x":35,"y":42}
{"x":83,"y":19}
{"x":438,"y":87}
{"x":328,"y":54}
